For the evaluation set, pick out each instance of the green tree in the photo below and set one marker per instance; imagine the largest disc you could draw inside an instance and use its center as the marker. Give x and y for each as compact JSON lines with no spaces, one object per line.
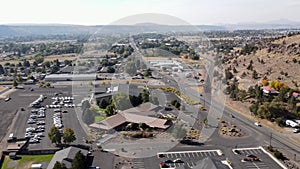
{"x":59,"y":165}
{"x":68,"y":136}
{"x":54,"y":135}
{"x":122,"y":101}
{"x":15,"y":83}
{"x":39,"y":58}
{"x":110,"y":110}
{"x":47,"y":84}
{"x":79,"y":161}
{"x":205,"y":121}
{"x":110,"y":69}
{"x":145,"y":96}
{"x":148,"y":73}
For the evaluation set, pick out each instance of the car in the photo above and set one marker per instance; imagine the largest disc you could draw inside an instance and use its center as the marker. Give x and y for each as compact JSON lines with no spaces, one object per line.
{"x":7,"y":99}
{"x":237,"y":151}
{"x":40,"y":127}
{"x":40,"y":123}
{"x":28,"y":135}
{"x":296,"y":130}
{"x":178,"y":160}
{"x":168,"y":161}
{"x":251,"y":156}
{"x":164,"y":165}
{"x":33,"y":140}
{"x":161,"y":155}
{"x":40,"y":130}
{"x":31,"y":121}
{"x":257,"y":124}
{"x":65,"y":111}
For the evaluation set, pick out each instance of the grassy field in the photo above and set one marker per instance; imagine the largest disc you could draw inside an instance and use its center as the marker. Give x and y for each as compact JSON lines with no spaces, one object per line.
{"x":25,"y":161}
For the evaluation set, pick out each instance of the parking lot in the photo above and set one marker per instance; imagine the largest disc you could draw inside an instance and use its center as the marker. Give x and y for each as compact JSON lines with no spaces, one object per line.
{"x":36,"y":119}
{"x":188,"y":158}
{"x":254,"y":158}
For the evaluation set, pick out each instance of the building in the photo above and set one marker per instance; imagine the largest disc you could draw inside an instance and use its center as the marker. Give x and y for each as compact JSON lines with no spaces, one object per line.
{"x":70,"y":77}
{"x":139,"y":114}
{"x":66,"y":156}
{"x":269,"y":90}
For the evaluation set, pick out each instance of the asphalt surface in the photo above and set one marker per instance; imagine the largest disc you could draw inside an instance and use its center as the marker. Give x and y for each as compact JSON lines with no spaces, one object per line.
{"x":69,"y":120}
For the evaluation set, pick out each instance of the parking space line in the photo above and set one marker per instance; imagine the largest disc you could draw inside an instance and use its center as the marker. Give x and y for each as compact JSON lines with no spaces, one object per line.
{"x":193,"y":155}
{"x":189,"y":155}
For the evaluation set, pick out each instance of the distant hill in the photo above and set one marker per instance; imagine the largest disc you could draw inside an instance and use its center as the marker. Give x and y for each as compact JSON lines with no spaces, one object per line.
{"x":275,"y":24}
{"x":26,"y":30}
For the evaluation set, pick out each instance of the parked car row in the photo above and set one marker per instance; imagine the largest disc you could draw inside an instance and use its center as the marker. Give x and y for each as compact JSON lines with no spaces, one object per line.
{"x":37,"y":102}
{"x":34,"y":134}
{"x":37,"y":116}
{"x":57,"y":120}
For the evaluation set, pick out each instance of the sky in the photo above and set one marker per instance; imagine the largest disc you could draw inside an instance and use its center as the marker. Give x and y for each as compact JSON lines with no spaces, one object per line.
{"x":103,"y":12}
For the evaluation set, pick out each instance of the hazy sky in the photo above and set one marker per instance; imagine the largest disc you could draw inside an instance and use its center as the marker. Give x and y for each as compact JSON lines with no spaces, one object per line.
{"x":92,"y":12}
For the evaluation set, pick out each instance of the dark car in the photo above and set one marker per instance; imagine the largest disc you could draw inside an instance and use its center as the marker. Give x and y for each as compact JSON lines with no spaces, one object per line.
{"x":251,"y":156}
{"x":161,"y":155}
{"x":168,"y":161}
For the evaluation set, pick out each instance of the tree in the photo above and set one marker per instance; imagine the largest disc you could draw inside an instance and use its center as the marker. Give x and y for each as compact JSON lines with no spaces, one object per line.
{"x":85,"y":105}
{"x":47,"y":84}
{"x":68,"y":135}
{"x":205,"y":121}
{"x":255,"y":74}
{"x":265,"y":82}
{"x":110,"y":110}
{"x":145,"y":96}
{"x":47,"y":64}
{"x":15,"y":83}
{"x":39,"y":58}
{"x":148,"y":73}
{"x":59,"y":165}
{"x":79,"y":161}
{"x":54,"y":135}
{"x":110,"y":69}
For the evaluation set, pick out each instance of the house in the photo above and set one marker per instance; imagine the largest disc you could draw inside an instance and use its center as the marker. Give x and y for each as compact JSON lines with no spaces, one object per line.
{"x":269,"y":90}
{"x":66,"y":156}
{"x":140,"y":114}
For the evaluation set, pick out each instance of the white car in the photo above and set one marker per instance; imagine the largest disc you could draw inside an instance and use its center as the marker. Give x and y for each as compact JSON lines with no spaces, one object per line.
{"x":297,"y":130}
{"x":257,"y":124}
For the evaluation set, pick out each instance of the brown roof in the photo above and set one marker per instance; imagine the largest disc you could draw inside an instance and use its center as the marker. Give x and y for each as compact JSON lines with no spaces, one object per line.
{"x":125,"y":116}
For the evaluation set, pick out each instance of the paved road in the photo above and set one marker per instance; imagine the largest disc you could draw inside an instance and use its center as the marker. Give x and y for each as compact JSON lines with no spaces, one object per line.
{"x":258,"y":135}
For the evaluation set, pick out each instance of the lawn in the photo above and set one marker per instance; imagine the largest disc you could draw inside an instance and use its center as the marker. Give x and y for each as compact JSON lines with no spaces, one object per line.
{"x":100,"y":118}
{"x":25,"y":161}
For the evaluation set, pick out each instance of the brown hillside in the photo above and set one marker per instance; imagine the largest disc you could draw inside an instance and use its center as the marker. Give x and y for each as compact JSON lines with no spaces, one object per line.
{"x":278,"y":60}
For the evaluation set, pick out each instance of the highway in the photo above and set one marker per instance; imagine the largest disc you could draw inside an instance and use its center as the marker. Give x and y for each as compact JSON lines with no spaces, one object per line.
{"x":259,"y":135}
